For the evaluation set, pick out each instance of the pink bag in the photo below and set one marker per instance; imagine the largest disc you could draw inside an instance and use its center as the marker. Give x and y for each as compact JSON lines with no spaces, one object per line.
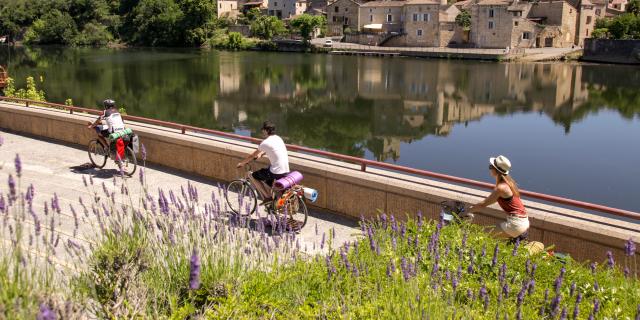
{"x":293,"y":178}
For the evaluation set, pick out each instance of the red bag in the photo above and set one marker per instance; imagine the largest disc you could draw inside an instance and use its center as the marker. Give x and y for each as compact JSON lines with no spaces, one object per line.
{"x":120,"y":149}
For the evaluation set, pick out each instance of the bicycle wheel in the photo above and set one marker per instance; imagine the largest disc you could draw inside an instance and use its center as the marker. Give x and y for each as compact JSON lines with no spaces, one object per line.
{"x":97,"y":153}
{"x":130,"y":163}
{"x":241,"y":197}
{"x":296,"y":213}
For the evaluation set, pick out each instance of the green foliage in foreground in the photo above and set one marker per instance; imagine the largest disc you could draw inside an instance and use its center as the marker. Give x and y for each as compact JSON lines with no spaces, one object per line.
{"x":30,"y":92}
{"x":176,"y":256}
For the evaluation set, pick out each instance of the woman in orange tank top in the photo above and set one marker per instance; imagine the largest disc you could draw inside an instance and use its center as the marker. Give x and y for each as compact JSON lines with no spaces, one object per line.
{"x":507,"y":195}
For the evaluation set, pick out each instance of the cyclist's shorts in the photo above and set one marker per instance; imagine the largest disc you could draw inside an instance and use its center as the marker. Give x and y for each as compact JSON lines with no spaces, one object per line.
{"x":267,"y":176}
{"x":101,"y":131}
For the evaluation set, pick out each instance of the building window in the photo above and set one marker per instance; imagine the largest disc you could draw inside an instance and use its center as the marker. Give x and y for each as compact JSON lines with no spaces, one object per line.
{"x":389,"y":10}
{"x":370,"y":10}
{"x":490,"y":24}
{"x":334,"y":19}
{"x":589,"y":20}
{"x":419,"y":32}
{"x":336,"y":9}
{"x":275,"y":4}
{"x":389,"y":18}
{"x":515,"y":23}
{"x":490,"y":13}
{"x":415,"y":17}
{"x":598,"y":12}
{"x":346,"y":9}
{"x":587,"y":32}
{"x":517,"y":13}
{"x":370,"y":18}
{"x":426,"y":17}
{"x":526,"y":35}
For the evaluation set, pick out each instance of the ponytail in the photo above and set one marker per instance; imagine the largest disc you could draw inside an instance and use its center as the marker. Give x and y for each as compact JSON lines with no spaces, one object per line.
{"x":510,"y":182}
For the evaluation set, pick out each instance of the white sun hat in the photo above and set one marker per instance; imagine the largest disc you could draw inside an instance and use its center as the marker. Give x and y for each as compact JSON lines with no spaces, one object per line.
{"x":501,"y":164}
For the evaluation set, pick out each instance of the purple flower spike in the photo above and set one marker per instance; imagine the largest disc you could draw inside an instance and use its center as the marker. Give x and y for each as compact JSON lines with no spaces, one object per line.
{"x":630,"y":248}
{"x":12,"y":189}
{"x":505,"y":290}
{"x":494,"y":261}
{"x":322,"y":241}
{"x":46,"y":313}
{"x":555,"y":305}
{"x":194,"y":274}
{"x":593,"y":267}
{"x":484,"y":251}
{"x":469,"y":294}
{"x":610,"y":261}
{"x":563,"y":315}
{"x":596,"y":306}
{"x":18,"y":165}
{"x":572,"y":289}
{"x":143,"y":152}
{"x":533,"y":270}
{"x":520,"y":297}
{"x":531,"y":286}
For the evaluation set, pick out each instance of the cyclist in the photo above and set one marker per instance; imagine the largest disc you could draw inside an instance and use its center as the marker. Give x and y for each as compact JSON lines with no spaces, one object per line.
{"x":274,"y":148}
{"x":507,"y":195}
{"x":113,"y":118}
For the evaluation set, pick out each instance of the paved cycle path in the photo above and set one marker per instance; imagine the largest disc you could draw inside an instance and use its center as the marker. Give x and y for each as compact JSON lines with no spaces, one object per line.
{"x":54,"y":167}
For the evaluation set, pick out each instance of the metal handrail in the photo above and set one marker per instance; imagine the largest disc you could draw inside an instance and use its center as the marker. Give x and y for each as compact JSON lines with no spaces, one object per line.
{"x":363,"y":162}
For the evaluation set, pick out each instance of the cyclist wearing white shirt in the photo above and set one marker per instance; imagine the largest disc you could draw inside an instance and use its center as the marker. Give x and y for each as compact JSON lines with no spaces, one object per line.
{"x":275,"y":149}
{"x":113,"y":119}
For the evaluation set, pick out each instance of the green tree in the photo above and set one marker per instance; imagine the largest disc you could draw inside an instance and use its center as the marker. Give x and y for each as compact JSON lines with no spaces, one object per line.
{"x":234,"y":42}
{"x":600,"y":33}
{"x":54,"y":27}
{"x":266,"y":27}
{"x":633,"y":7}
{"x":307,"y":24}
{"x":155,"y":22}
{"x":463,"y":19}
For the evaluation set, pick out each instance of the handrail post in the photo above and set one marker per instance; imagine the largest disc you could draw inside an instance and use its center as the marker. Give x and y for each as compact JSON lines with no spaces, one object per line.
{"x":27,"y":104}
{"x":363,"y":166}
{"x":183,"y":130}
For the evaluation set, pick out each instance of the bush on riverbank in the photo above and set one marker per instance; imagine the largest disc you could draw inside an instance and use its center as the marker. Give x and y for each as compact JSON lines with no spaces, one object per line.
{"x":177,"y":254}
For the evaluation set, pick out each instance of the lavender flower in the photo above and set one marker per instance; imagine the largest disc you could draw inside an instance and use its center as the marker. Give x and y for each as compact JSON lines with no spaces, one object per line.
{"x":464,"y":239}
{"x":558,"y":284}
{"x":596,"y":286}
{"x":391,"y":268}
{"x":555,"y":304}
{"x":572,"y":289}
{"x":143,"y":152}
{"x":596,"y":306}
{"x":322,"y":241}
{"x":12,"y":189}
{"x":383,"y":219}
{"x":630,"y":248}
{"x":563,"y":315}
{"x":593,"y":267}
{"x":505,"y":290}
{"x":576,"y":308}
{"x":454,"y":282}
{"x":503,"y":272}
{"x":494,"y":261}
{"x":420,"y":219}
{"x":403,"y":267}
{"x":483,"y":253}
{"x":627,"y":272}
{"x":515,"y":247}
{"x":18,"y":165}
{"x":194,"y":273}
{"x":533,"y":270}
{"x":45,"y":313}
{"x":531,"y":286}
{"x":610,"y":261}
{"x":520,"y":297}
{"x":469,"y":294}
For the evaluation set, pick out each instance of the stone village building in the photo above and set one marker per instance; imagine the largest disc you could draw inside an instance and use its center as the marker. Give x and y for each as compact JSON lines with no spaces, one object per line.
{"x":494,"y":23}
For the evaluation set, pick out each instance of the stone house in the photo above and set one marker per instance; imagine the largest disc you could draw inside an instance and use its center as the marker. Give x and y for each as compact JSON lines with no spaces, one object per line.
{"x":382,"y":17}
{"x":285,"y":9}
{"x":342,"y":14}
{"x":450,"y":32}
{"x":422,"y":25}
{"x":520,"y":24}
{"x":228,"y":9}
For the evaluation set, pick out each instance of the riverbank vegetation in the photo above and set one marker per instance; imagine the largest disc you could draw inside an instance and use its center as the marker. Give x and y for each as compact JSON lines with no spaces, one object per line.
{"x":178,"y":254}
{"x":184,"y":23}
{"x":622,"y":27}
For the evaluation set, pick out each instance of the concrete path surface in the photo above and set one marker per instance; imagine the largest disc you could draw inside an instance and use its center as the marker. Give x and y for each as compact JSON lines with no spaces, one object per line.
{"x":58,"y":168}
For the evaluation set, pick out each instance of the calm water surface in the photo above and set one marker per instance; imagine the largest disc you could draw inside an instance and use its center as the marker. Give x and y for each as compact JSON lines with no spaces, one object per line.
{"x":570,"y":129}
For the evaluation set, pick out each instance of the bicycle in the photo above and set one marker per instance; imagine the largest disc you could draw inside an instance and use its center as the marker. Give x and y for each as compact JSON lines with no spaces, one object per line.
{"x":289,"y":203}
{"x":98,"y":154}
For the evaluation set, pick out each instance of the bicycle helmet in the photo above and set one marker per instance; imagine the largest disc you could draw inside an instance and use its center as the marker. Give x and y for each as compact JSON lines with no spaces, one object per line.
{"x":108,"y":103}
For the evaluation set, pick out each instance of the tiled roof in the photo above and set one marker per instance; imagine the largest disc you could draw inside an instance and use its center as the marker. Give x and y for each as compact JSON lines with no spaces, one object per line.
{"x":410,"y":2}
{"x":389,"y":3}
{"x":465,"y":4}
{"x":494,"y":3}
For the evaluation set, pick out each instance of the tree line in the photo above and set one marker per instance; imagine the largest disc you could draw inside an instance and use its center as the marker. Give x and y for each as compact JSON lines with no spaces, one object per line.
{"x":623,"y":27}
{"x":98,"y":22}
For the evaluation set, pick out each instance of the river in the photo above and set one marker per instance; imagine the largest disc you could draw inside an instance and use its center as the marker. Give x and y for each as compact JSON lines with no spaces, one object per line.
{"x":570,"y":129}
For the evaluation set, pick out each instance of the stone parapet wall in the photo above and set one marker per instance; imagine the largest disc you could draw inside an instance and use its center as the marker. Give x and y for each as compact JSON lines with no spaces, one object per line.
{"x":614,"y":51}
{"x":343,"y":188}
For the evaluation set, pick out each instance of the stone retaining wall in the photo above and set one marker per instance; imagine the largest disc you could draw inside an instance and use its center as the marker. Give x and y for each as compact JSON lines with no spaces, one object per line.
{"x":613,"y":51}
{"x":343,"y":188}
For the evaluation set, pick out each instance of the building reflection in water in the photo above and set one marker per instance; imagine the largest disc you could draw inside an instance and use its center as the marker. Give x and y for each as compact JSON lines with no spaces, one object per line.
{"x":355,"y":103}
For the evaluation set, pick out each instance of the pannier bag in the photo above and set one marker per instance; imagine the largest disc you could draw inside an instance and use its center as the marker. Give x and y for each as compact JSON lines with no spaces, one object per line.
{"x":120,"y":133}
{"x":310,"y":194}
{"x":293,"y":178}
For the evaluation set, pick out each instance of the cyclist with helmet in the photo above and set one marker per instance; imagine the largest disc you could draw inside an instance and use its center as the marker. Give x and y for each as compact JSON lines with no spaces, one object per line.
{"x":113,"y":119}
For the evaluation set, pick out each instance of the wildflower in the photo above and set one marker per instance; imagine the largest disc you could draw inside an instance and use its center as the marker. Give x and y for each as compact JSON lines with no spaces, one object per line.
{"x":515,"y":247}
{"x":469,"y":295}
{"x":520,"y":297}
{"x":18,"y":165}
{"x":12,"y":189}
{"x":610,"y":261}
{"x":593,"y":267}
{"x":464,"y":239}
{"x":503,"y":272}
{"x":403,"y":267}
{"x":555,"y":304}
{"x":454,"y":283}
{"x":383,"y":219}
{"x":558,"y":284}
{"x":576,"y":309}
{"x":483,"y":292}
{"x":143,"y":152}
{"x":596,"y":306}
{"x":563,"y":315}
{"x":194,"y":273}
{"x":531,"y":286}
{"x":630,"y":248}
{"x":494,"y":261}
{"x":46,"y":313}
{"x":505,"y":290}
{"x":596,"y":286}
{"x":390,"y":269}
{"x":55,"y":203}
{"x":533,"y":270}
{"x":572,"y":289}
